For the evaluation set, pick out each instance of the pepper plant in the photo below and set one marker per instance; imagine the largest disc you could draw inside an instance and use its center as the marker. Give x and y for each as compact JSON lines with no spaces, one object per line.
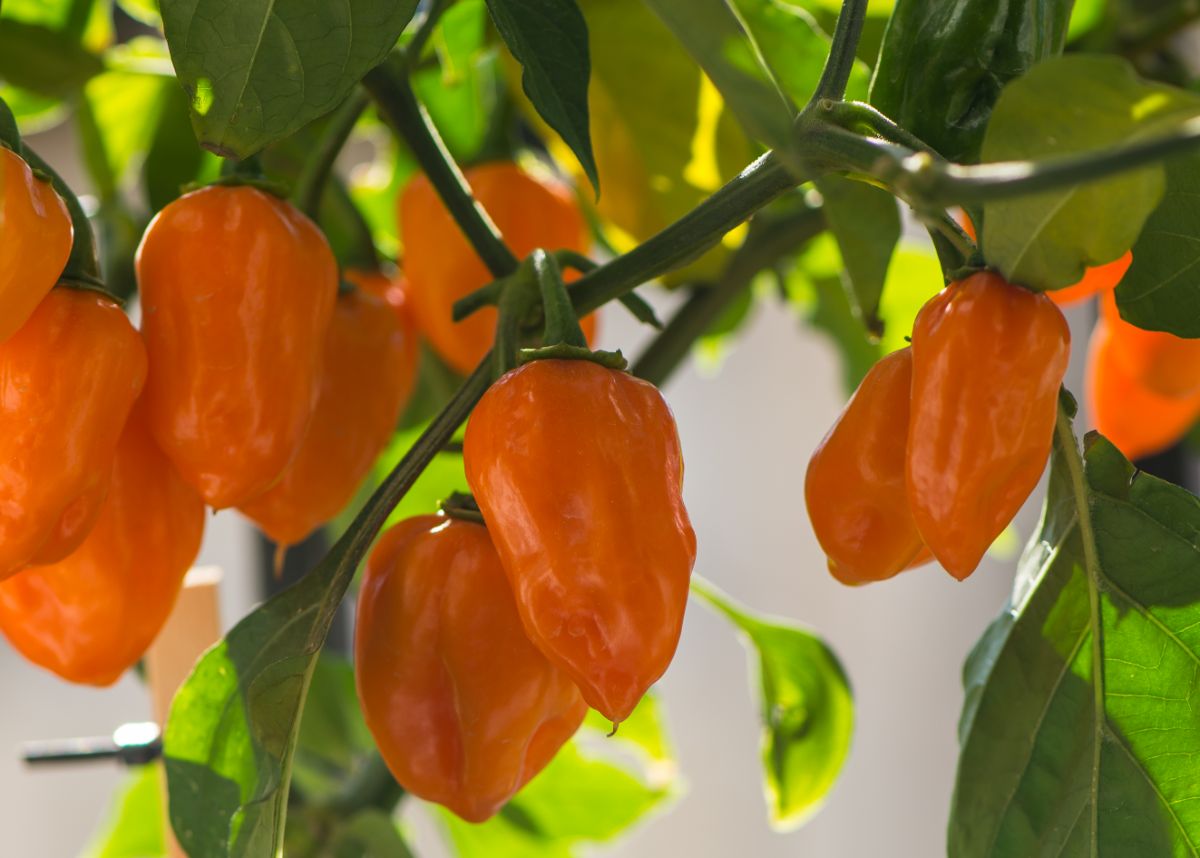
{"x":712,"y":145}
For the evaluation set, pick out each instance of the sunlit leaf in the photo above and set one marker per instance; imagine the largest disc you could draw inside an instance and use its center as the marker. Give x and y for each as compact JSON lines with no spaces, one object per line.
{"x":134,"y":828}
{"x":805,"y":705}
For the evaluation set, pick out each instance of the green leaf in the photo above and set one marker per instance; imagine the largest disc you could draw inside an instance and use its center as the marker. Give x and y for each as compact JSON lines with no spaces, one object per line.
{"x":1161,"y":290}
{"x":914,"y":277}
{"x":42,"y":60}
{"x":587,"y":794}
{"x":1086,"y":16}
{"x":866,"y":223}
{"x":805,"y":705}
{"x":942,"y":65}
{"x":334,"y":740}
{"x":1064,"y":106}
{"x":134,"y":828}
{"x":715,"y":37}
{"x":145,"y":11}
{"x":257,"y":70}
{"x":1062,"y":758}
{"x":369,"y":834}
{"x":549,"y":38}
{"x":33,"y":112}
{"x":173,"y":159}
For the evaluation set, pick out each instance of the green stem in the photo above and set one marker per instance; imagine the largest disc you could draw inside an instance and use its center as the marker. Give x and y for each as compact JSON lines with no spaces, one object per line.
{"x":361,"y":251}
{"x":688,"y":237}
{"x":846,"y":34}
{"x":424,"y":29}
{"x":306,"y":194}
{"x":562,"y":326}
{"x":855,"y":115}
{"x":10,"y":136}
{"x":762,"y":249}
{"x":516,"y":300}
{"x":392,"y":93}
{"x":83,"y":265}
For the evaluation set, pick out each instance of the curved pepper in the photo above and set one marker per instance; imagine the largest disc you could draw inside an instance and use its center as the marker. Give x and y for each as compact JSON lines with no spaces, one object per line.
{"x":90,"y":617}
{"x":35,"y":241}
{"x":464,"y":709}
{"x":71,"y":374}
{"x":855,"y":488}
{"x":579,"y":475}
{"x":442,"y":267}
{"x":237,"y":291}
{"x":988,"y":359}
{"x":367,"y":375}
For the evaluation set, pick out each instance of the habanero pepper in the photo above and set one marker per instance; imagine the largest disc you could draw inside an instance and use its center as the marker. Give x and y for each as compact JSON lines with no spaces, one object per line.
{"x":237,"y":291}
{"x":463,"y":707}
{"x":1161,"y":362}
{"x":71,"y":375}
{"x":367,"y":375}
{"x":988,"y":360}
{"x":442,"y":267}
{"x":91,"y":616}
{"x":35,"y":241}
{"x":855,"y":488}
{"x":579,"y":475}
{"x":1137,"y":419}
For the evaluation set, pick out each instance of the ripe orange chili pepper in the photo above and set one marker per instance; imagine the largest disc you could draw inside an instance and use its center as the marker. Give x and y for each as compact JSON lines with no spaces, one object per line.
{"x":1097,"y":280}
{"x":442,"y":267}
{"x":393,"y":291}
{"x":367,"y":375}
{"x":988,"y":359}
{"x":463,"y":707}
{"x":1162,"y":363}
{"x":90,"y":617}
{"x":237,"y":292}
{"x":855,"y":487}
{"x":71,"y":374}
{"x":35,"y":241}
{"x":578,"y":472}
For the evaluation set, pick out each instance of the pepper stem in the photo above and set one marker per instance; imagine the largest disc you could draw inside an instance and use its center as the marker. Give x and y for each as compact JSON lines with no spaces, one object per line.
{"x":10,"y":137}
{"x":562,"y":326}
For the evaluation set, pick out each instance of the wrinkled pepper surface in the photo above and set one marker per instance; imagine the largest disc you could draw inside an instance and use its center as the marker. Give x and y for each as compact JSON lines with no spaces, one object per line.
{"x":579,"y":475}
{"x":464,"y":708}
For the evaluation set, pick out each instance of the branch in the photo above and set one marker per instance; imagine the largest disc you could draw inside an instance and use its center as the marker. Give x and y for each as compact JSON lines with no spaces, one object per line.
{"x":306,"y":194}
{"x":846,"y":34}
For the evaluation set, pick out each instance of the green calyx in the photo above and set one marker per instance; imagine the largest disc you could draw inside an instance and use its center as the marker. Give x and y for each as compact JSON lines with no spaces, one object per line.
{"x":562,"y":351}
{"x":461,"y":507}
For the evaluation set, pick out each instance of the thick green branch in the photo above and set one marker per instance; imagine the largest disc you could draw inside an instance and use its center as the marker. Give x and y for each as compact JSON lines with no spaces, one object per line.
{"x":846,"y":34}
{"x":389,"y":87}
{"x":687,"y":238}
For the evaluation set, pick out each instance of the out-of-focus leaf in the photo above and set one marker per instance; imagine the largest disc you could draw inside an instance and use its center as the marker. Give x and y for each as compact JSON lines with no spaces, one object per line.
{"x":42,"y":60}
{"x":1068,"y":105}
{"x":866,"y":223}
{"x":806,"y":708}
{"x":257,"y":70}
{"x":549,"y":39}
{"x":580,"y":798}
{"x":145,"y":11}
{"x":334,"y":740}
{"x":913,"y":278}
{"x":173,"y":158}
{"x":1161,"y":290}
{"x":33,"y":112}
{"x":134,"y":827}
{"x":1078,"y":733}
{"x":1086,"y":15}
{"x":369,"y":834}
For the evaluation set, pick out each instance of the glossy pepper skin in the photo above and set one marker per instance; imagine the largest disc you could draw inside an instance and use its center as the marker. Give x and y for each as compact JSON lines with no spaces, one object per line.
{"x":1097,"y":280}
{"x":579,"y":475}
{"x":367,"y":375}
{"x":71,"y":375}
{"x":1137,"y":419}
{"x":237,"y":292}
{"x":855,"y":488}
{"x":91,"y":616}
{"x":35,"y":241}
{"x":1161,"y":362}
{"x":988,"y":359}
{"x":442,"y":267}
{"x":464,"y":708}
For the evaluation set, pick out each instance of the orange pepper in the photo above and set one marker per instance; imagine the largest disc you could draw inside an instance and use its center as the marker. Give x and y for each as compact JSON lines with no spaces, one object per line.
{"x":393,"y":291}
{"x":988,"y":360}
{"x":367,"y":375}
{"x":442,"y":267}
{"x":71,"y":374}
{"x":35,"y":241}
{"x":90,"y":617}
{"x":855,"y":487}
{"x":1162,"y":363}
{"x":463,"y":707}
{"x":1136,"y":418}
{"x":237,"y":292}
{"x":1097,"y":280}
{"x":579,"y":475}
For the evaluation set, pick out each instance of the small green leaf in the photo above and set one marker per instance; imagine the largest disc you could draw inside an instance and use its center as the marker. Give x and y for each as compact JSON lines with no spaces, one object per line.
{"x":134,"y":828}
{"x":1108,"y":592}
{"x":257,"y":70}
{"x":806,"y":708}
{"x":1161,"y":290}
{"x":44,"y":61}
{"x":866,"y":223}
{"x":549,"y":38}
